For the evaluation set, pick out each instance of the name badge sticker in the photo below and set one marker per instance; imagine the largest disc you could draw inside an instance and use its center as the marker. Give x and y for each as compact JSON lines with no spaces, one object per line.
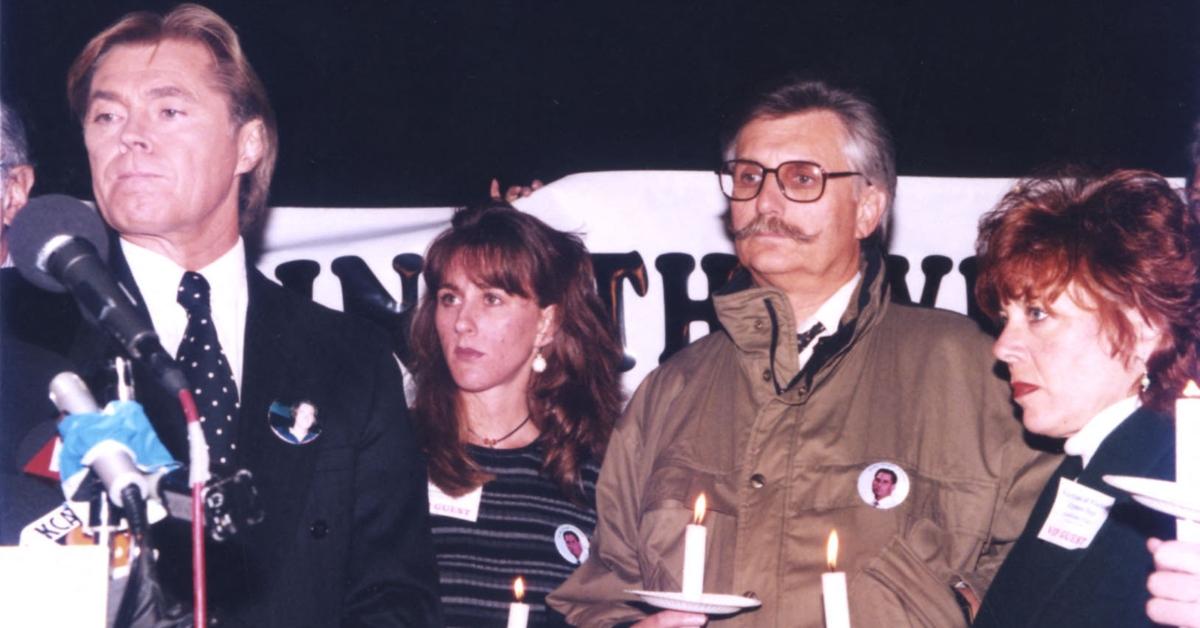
{"x":1076,"y":516}
{"x":465,"y":507}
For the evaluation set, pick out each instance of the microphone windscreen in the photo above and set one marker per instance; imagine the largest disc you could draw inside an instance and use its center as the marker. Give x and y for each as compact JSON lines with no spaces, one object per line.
{"x":71,"y":395}
{"x":43,"y":219}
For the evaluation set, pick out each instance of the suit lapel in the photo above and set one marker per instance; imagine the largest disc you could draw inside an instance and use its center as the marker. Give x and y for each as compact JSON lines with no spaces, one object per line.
{"x":1137,"y":448}
{"x":276,"y":369}
{"x":266,"y":359}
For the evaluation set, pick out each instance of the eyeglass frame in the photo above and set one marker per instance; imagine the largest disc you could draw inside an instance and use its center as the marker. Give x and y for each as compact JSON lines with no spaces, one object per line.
{"x":723,"y":170}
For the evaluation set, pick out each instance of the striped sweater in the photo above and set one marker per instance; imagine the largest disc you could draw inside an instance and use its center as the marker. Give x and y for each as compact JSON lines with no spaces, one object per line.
{"x":526,"y":527}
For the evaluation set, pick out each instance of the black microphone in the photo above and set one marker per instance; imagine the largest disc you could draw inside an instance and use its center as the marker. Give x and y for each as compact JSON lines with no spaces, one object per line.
{"x":60,"y":244}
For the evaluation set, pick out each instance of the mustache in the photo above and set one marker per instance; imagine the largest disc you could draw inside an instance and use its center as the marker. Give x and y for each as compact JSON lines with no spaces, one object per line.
{"x":773,"y":225}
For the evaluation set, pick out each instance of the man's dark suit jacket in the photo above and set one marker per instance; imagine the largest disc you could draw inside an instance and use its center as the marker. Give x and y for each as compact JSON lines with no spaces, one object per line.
{"x":36,"y":328}
{"x":345,"y":540}
{"x":27,"y":313}
{"x":1041,"y":584}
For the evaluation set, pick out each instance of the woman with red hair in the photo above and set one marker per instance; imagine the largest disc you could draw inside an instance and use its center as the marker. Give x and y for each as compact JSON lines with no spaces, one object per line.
{"x":1095,"y":284}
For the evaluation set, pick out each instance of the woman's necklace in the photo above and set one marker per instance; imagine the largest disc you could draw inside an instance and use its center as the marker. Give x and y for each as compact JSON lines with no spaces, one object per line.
{"x":492,"y":442}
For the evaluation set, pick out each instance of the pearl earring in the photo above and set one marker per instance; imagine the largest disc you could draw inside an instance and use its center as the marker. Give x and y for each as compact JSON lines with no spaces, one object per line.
{"x":539,"y":362}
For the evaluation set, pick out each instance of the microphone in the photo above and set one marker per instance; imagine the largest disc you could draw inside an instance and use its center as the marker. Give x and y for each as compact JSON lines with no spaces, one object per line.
{"x":231,"y":504}
{"x":60,"y":244}
{"x":111,"y":462}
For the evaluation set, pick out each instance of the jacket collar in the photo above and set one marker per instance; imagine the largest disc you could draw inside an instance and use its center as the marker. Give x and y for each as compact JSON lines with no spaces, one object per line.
{"x":1140,"y":444}
{"x":760,"y":322}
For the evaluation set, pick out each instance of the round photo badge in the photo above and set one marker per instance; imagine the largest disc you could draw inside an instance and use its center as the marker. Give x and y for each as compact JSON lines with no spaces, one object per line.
{"x":297,"y":424}
{"x":883,"y":485}
{"x":572,"y":543}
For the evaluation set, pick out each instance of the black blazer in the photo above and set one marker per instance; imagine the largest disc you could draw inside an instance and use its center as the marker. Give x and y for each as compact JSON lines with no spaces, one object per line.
{"x":26,"y":424}
{"x":36,"y":328}
{"x":29,"y":314}
{"x":345,"y":540}
{"x":1041,"y":584}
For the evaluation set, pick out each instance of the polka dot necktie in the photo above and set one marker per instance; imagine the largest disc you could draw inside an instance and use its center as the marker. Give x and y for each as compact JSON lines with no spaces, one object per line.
{"x":208,"y":371}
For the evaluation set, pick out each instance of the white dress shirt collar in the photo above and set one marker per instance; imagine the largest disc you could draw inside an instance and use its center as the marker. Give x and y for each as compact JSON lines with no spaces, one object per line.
{"x":829,"y":315}
{"x":158,"y":280}
{"x":1087,"y":440}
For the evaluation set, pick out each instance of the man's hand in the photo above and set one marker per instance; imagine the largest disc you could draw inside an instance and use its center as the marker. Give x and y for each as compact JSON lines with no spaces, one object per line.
{"x":671,"y":619}
{"x":1175,"y":584}
{"x":514,"y":192}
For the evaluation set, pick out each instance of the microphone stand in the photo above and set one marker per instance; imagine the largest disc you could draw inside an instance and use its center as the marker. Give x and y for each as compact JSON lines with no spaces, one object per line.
{"x":198,"y":472}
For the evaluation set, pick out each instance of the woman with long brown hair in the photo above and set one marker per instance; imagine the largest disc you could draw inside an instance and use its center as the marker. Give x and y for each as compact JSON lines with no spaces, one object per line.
{"x":517,"y":390}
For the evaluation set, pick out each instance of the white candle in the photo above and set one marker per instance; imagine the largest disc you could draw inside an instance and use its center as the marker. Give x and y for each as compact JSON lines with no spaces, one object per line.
{"x":518,"y":613}
{"x":694,"y":540}
{"x":833,"y":588}
{"x":1187,"y":455}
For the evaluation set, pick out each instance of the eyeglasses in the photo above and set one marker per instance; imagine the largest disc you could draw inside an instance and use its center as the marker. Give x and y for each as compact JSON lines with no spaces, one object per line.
{"x":800,"y":181}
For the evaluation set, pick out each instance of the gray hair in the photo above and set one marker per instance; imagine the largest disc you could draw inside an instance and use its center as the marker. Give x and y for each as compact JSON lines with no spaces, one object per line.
{"x":868,"y":146}
{"x":14,"y":148}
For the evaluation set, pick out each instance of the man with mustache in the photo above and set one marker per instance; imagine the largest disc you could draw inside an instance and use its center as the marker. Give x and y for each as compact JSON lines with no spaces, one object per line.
{"x":815,"y":377}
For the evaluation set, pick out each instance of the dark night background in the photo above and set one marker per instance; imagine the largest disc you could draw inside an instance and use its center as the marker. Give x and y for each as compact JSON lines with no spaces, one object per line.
{"x":419,"y":103}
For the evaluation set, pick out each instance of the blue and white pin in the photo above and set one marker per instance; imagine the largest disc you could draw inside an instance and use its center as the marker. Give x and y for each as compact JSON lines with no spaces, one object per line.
{"x":297,"y":424}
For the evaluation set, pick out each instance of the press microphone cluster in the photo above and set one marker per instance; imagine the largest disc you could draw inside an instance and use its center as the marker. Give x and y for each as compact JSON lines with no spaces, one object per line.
{"x":111,"y":462}
{"x":231,"y":503}
{"x":124,"y":482}
{"x":60,"y":244}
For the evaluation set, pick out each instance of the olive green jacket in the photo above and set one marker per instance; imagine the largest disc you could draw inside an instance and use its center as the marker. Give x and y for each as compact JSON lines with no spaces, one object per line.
{"x":779,"y":452}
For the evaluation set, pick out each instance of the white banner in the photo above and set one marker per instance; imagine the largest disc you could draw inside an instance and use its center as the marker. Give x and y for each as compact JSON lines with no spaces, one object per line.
{"x":651,"y":213}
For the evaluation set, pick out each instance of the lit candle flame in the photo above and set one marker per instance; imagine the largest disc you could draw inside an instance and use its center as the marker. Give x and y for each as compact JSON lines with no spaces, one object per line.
{"x":1191,"y":390}
{"x":519,"y":588}
{"x":831,"y":551}
{"x":701,"y":506}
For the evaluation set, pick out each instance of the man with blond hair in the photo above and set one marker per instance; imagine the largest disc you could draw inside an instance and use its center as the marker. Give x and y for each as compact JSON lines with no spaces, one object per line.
{"x":181,"y":142}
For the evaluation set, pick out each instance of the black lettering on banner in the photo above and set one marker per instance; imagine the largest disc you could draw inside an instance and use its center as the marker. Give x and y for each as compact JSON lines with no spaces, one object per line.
{"x":298,"y":276}
{"x":408,"y":266}
{"x":364,"y":295}
{"x":933,"y":267}
{"x":897,"y":274}
{"x":611,"y":270}
{"x":969,"y":268}
{"x":680,"y":310}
